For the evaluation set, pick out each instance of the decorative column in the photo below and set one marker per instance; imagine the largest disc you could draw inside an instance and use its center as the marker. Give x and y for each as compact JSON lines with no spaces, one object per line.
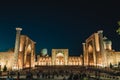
{"x":16,"y":50}
{"x":33,"y":54}
{"x":66,"y":56}
{"x":53,"y":56}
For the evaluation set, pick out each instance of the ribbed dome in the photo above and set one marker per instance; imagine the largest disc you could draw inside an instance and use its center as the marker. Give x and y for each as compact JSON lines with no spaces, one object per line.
{"x":44,"y":52}
{"x":106,"y":40}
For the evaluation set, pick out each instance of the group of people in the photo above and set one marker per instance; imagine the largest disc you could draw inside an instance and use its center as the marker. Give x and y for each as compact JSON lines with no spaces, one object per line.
{"x":11,"y":74}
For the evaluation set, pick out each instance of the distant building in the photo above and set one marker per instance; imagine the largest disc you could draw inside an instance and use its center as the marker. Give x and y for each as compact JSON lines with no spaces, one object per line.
{"x":59,"y":57}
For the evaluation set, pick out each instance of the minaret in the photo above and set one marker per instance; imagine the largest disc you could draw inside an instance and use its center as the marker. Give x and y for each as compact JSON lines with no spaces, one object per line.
{"x":16,"y":50}
{"x":102,"y":47}
{"x":84,"y":53}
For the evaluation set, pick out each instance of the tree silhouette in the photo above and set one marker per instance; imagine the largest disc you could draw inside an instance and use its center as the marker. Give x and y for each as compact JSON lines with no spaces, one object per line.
{"x":118,"y":30}
{"x":118,"y":64}
{"x":111,"y":65}
{"x":5,"y":68}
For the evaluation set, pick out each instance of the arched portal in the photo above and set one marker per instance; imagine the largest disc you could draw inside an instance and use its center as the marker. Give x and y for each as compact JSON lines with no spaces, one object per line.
{"x":91,"y":50}
{"x":26,"y":52}
{"x":59,"y":56}
{"x":27,"y":57}
{"x":59,"y":59}
{"x":90,"y":55}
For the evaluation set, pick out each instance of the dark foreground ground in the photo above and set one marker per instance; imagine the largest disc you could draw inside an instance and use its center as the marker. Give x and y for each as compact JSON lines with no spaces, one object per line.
{"x":62,"y":73}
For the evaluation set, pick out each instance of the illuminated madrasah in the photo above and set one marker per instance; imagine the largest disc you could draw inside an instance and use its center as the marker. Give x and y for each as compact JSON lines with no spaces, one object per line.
{"x":97,"y":51}
{"x":59,"y":57}
{"x":22,"y":56}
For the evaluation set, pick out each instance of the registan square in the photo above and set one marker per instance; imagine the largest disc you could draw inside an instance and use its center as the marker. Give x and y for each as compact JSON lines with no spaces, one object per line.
{"x":98,"y":61}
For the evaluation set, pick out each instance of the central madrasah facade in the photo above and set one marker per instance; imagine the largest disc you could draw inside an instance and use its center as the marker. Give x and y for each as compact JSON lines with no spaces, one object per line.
{"x":97,"y":51}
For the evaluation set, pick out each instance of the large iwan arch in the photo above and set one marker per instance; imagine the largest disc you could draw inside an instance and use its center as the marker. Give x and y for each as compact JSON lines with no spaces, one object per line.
{"x":93,"y":50}
{"x":26,"y":52}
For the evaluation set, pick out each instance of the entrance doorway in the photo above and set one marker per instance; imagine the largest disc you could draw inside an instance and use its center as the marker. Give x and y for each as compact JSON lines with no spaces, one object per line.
{"x":59,"y":59}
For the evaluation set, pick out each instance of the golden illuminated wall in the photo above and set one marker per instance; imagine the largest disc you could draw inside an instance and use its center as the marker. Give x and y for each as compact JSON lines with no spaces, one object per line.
{"x":44,"y":61}
{"x":117,"y":56}
{"x":112,"y":57}
{"x":74,"y":60}
{"x":47,"y":61}
{"x":6,"y":59}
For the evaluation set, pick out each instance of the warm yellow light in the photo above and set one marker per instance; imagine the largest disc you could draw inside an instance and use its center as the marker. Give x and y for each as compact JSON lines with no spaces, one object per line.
{"x":59,"y":55}
{"x":97,"y":42}
{"x":90,"y":49}
{"x":29,"y":48}
{"x":15,"y":68}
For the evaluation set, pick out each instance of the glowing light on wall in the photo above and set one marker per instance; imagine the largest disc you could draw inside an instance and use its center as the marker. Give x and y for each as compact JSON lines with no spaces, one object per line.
{"x":97,"y":42}
{"x":15,"y":68}
{"x":29,"y":48}
{"x":59,"y":55}
{"x":90,"y":49}
{"x":21,"y":45}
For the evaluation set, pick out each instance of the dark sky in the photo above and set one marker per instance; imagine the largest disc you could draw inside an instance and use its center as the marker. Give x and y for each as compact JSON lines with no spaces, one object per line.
{"x":59,"y":24}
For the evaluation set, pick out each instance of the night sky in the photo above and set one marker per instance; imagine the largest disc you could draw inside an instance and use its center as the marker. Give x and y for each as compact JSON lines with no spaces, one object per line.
{"x":59,"y":24}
